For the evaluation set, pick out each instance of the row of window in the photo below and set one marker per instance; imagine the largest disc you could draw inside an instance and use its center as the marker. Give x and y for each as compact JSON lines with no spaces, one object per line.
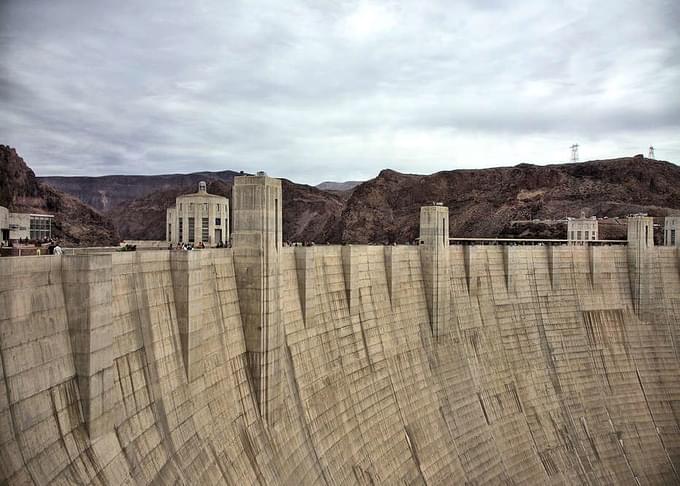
{"x":218,"y":207}
{"x":583,"y":235}
{"x":40,"y":228}
{"x":205,"y":230}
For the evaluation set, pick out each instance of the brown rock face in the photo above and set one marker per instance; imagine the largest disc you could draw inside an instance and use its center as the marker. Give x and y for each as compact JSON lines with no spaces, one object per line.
{"x":483,"y":202}
{"x":310,"y":214}
{"x":16,"y":179}
{"x":75,"y":223}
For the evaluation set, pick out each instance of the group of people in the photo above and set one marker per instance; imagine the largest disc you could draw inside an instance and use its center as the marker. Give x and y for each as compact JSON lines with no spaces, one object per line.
{"x":54,"y":249}
{"x":50,"y":247}
{"x":190,"y":246}
{"x":298,"y":243}
{"x":185,"y":246}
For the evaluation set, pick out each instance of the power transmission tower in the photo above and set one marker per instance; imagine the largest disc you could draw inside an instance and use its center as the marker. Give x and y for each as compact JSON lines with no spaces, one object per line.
{"x":574,"y":152}
{"x":651,"y":153}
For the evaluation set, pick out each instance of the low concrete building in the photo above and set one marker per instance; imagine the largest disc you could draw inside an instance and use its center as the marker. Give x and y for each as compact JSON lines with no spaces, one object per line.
{"x":580,"y":230}
{"x":671,"y":231}
{"x":198,"y":217}
{"x":15,"y":226}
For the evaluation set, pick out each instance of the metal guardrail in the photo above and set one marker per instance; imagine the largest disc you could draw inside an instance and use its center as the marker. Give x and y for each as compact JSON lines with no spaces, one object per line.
{"x":528,"y":241}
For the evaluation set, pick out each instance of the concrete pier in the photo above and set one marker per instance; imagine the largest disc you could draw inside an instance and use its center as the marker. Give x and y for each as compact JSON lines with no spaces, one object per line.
{"x":257,"y":243}
{"x":434,"y":256}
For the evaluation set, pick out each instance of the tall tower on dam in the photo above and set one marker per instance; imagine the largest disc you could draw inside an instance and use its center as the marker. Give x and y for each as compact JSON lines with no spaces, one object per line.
{"x":434,"y":256}
{"x":257,"y":241}
{"x":640,"y":240}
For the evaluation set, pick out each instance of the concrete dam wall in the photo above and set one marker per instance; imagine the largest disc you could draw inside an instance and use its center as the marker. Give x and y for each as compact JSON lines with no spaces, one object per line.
{"x":263,"y":364}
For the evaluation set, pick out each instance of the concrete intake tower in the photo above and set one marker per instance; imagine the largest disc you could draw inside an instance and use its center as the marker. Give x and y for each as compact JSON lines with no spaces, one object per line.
{"x":331,"y":365}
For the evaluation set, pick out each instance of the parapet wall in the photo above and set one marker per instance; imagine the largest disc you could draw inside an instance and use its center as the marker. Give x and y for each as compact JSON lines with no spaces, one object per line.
{"x":548,"y":365}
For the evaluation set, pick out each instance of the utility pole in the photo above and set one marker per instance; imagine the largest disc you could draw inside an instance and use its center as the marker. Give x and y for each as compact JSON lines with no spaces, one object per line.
{"x":574,"y":152}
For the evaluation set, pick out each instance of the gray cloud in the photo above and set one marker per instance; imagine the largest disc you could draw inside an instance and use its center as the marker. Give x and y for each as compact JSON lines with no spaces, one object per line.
{"x":315,"y":90}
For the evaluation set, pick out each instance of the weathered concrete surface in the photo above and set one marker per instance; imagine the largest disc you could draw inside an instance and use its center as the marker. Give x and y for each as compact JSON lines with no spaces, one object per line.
{"x":132,"y":368}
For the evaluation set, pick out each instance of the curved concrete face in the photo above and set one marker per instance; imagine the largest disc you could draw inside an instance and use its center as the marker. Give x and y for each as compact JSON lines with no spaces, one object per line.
{"x":134,"y":368}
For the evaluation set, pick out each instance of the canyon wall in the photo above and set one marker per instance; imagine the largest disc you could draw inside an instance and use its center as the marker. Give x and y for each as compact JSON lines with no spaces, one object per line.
{"x":547,"y":365}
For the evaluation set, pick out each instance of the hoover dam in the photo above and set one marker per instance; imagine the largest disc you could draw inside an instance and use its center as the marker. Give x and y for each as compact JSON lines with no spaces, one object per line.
{"x":330,"y":365}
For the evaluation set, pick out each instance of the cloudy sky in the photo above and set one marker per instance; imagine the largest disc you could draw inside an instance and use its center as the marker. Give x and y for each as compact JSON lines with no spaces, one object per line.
{"x":318,"y":90}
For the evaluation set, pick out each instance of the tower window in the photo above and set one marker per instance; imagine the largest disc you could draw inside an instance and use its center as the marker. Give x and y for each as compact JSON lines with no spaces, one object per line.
{"x":204,"y":230}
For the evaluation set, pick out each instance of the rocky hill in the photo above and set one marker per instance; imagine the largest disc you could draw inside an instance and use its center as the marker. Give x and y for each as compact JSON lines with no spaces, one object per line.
{"x":75,"y":223}
{"x":484,"y":202}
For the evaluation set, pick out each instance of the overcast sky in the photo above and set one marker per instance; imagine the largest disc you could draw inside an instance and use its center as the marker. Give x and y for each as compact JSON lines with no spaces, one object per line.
{"x":318,"y":90}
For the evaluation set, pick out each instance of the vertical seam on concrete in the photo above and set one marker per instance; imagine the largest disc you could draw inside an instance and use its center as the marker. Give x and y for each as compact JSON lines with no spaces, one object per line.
{"x":656,"y":427}
{"x":13,"y":420}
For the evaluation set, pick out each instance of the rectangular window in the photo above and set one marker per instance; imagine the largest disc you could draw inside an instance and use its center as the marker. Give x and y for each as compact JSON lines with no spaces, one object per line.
{"x":646,"y":234}
{"x":578,"y":235}
{"x":218,"y":221}
{"x":443,"y":233}
{"x":672,"y":237}
{"x":169,"y":232}
{"x":181,"y":233}
{"x":594,"y":236}
{"x":40,"y":228}
{"x":572,"y":234}
{"x":192,"y":230}
{"x":205,"y":236}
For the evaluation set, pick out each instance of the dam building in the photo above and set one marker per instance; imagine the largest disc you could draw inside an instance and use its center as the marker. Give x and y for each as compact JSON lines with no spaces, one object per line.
{"x":15,"y":226}
{"x":671,"y":231}
{"x":198,"y":218}
{"x":580,"y":230}
{"x":430,"y":364}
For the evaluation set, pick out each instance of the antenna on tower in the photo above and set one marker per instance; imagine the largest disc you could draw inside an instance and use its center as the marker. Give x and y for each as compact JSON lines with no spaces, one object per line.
{"x":651,"y":153}
{"x":574,"y":152}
